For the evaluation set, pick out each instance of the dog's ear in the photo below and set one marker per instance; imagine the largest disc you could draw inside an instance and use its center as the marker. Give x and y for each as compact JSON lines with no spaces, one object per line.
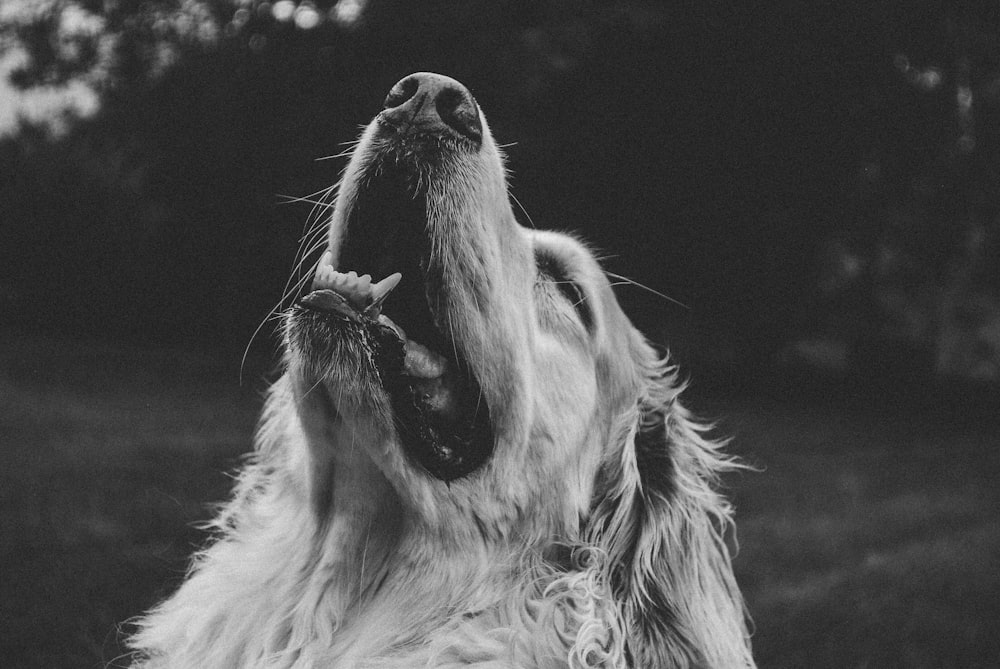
{"x":661,"y":524}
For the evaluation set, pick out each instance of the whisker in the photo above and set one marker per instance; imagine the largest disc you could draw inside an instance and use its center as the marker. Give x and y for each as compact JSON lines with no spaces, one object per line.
{"x":312,"y":228}
{"x":624,"y":280}
{"x":289,"y":199}
{"x":343,"y":154}
{"x":349,"y":145}
{"x":523,"y":210}
{"x":246,"y":351}
{"x":320,"y":193}
{"x":308,"y":245}
{"x":274,"y":314}
{"x":295,"y":287}
{"x":311,"y":241}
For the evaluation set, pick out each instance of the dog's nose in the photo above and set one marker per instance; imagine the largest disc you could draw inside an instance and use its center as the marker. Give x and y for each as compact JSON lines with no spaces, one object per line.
{"x":435,"y":104}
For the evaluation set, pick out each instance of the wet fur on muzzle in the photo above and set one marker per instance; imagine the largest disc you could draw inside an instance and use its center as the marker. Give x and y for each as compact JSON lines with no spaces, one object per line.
{"x":590,"y":535}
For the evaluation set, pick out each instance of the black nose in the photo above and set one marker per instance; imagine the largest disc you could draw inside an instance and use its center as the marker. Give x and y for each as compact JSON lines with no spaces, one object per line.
{"x":434,"y":104}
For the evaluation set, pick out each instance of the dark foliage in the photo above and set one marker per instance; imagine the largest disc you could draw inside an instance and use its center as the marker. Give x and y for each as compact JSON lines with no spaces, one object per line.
{"x":717,"y":153}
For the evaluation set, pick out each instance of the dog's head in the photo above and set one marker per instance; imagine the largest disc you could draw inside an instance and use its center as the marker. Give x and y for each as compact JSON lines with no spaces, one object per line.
{"x":496,"y":392}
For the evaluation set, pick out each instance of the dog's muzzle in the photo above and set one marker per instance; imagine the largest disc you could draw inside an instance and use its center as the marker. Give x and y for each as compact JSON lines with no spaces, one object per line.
{"x":397,"y":324}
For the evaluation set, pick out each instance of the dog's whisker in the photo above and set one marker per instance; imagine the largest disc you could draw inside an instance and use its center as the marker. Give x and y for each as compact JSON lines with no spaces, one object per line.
{"x":348,"y":150}
{"x":287,"y":199}
{"x":521,"y":207}
{"x":624,"y":280}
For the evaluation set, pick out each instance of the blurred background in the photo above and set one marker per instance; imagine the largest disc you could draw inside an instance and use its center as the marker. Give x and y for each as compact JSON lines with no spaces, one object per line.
{"x":815,"y":183}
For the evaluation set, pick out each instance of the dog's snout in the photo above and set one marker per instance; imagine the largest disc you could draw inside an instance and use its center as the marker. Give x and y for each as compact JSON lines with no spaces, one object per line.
{"x":435,"y":104}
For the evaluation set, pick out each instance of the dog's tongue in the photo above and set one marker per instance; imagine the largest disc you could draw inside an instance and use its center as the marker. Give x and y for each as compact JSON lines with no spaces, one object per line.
{"x":363,"y":295}
{"x":422,"y":362}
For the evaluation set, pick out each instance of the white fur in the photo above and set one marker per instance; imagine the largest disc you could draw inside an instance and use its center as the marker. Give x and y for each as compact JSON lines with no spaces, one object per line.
{"x":561,"y":551}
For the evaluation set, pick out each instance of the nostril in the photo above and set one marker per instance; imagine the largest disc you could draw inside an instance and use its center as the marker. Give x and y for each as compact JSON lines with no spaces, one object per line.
{"x":456,"y":107}
{"x":433,"y":104}
{"x":401,"y":92}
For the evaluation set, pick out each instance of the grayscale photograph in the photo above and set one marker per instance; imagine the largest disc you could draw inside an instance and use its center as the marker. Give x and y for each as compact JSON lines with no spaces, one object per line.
{"x":499,"y":334}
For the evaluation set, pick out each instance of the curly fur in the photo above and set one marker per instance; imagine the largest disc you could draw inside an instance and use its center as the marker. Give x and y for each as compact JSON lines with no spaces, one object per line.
{"x":593,"y":536}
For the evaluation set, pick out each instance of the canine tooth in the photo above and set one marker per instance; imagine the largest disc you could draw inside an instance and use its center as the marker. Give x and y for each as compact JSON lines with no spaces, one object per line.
{"x":379,"y":291}
{"x":382,"y":289}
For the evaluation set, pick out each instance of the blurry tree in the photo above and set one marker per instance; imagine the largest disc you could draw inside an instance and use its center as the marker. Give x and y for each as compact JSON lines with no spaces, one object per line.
{"x":711,"y":149}
{"x":917,"y":263}
{"x":157,"y":214}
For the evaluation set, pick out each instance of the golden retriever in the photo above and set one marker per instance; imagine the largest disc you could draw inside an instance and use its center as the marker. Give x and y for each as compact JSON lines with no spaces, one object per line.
{"x":478,"y":463}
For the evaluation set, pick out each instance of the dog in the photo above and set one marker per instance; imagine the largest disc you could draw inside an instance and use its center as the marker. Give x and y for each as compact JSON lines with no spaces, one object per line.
{"x":475,"y":461}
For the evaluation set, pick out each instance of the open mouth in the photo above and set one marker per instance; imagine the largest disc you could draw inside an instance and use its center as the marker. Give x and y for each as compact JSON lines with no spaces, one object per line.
{"x":441,"y":417}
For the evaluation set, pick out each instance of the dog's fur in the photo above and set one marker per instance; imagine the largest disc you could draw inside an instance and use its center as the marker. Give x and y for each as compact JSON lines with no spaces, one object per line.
{"x":591,"y":537}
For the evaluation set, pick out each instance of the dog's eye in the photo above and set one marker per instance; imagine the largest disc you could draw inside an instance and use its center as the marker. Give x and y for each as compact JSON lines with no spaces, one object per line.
{"x":551,"y":271}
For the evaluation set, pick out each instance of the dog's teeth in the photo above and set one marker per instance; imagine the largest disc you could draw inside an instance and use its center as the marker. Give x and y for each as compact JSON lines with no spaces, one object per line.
{"x":378,"y":292}
{"x":364,"y":285}
{"x":360,"y":291}
{"x":325,"y":278}
{"x":381,"y":289}
{"x":325,"y":274}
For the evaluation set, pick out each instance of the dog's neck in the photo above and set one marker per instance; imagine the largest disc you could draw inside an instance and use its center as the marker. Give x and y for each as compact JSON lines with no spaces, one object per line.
{"x":387,"y":580}
{"x":392,"y":592}
{"x":357,"y":577}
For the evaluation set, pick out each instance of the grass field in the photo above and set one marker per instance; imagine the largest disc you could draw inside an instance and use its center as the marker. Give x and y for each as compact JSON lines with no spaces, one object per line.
{"x":867,"y":539}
